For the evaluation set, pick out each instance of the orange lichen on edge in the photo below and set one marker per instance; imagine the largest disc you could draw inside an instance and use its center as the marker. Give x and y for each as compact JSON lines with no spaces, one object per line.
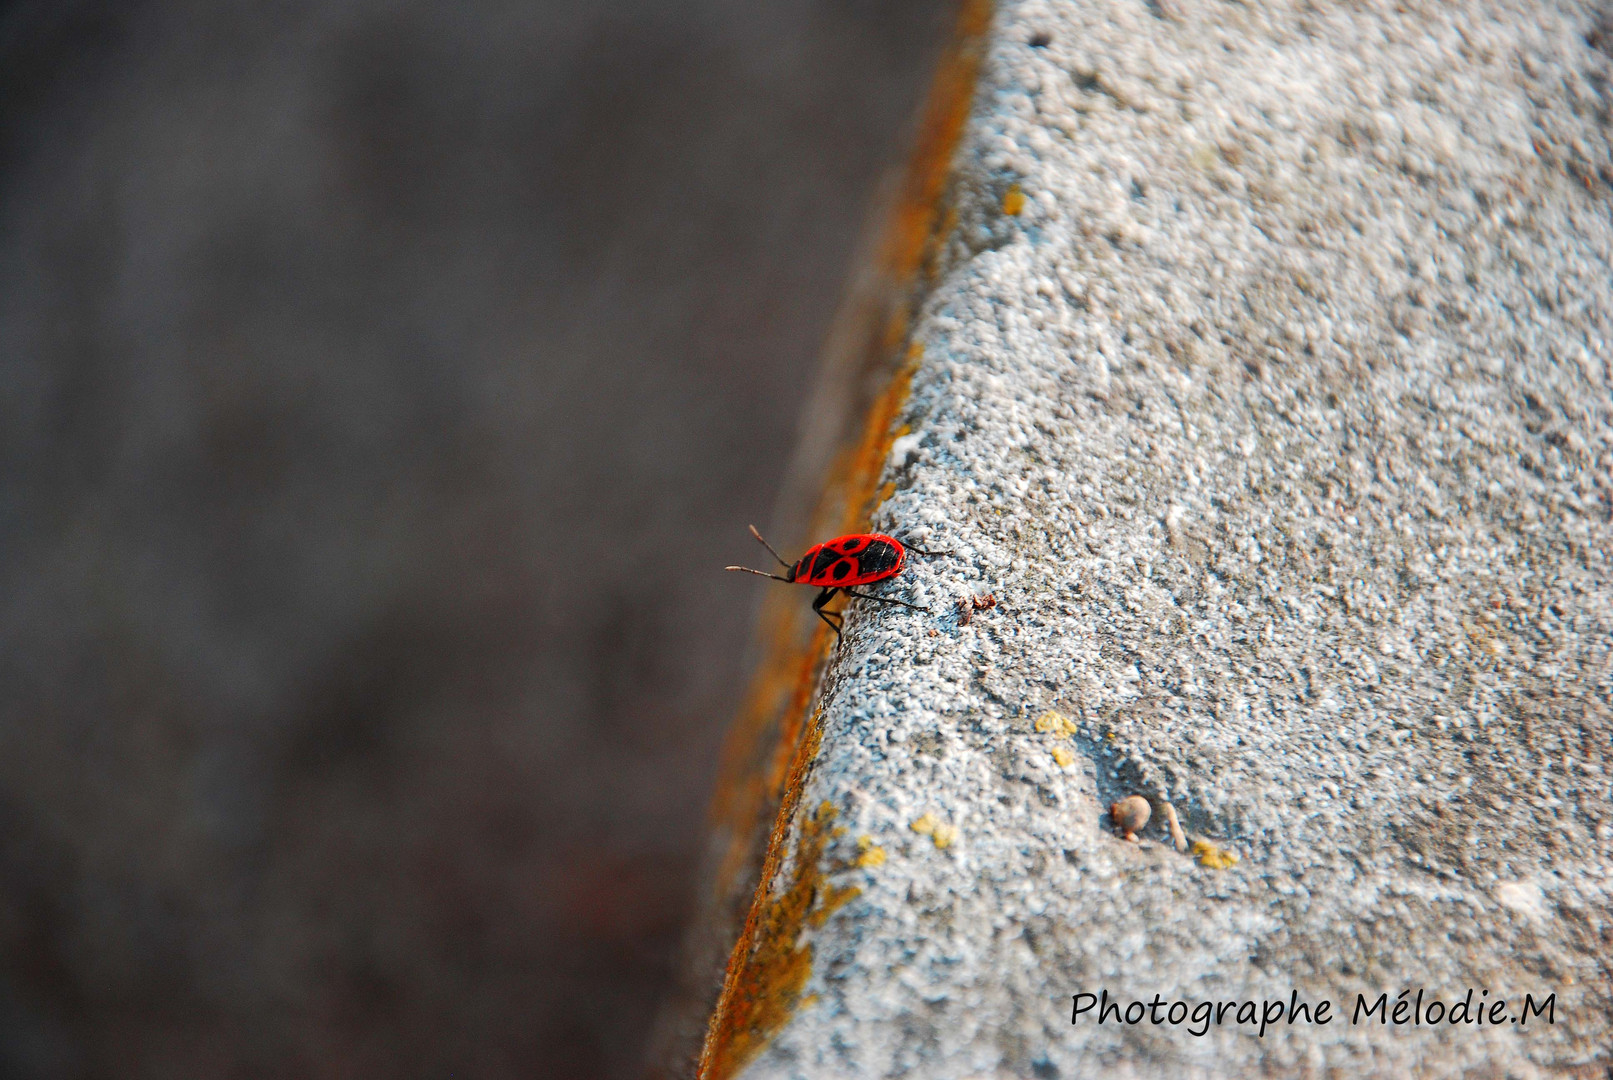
{"x":767,"y":967}
{"x":946,"y":111}
{"x":766,"y":983}
{"x":766,"y":970}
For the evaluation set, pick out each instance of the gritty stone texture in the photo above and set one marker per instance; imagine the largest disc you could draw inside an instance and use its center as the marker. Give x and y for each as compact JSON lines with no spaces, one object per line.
{"x":1278,"y":423}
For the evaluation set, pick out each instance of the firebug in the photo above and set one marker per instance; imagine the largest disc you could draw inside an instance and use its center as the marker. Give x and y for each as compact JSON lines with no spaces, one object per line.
{"x":837,"y":565}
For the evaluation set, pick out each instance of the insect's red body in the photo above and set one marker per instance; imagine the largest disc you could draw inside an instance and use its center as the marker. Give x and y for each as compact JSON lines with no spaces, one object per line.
{"x":840,"y":564}
{"x":850,"y":560}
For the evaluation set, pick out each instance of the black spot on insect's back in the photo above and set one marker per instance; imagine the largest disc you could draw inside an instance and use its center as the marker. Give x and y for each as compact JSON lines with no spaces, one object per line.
{"x":855,"y":543}
{"x":842,"y":569}
{"x":880,"y":558}
{"x":825,"y":559}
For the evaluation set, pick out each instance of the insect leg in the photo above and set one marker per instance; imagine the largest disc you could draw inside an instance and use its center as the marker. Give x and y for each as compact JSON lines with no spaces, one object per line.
{"x":884,"y":599}
{"x":817,"y":607}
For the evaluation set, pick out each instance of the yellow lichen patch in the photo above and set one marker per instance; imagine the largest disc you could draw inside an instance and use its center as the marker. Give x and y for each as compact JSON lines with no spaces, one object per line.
{"x":1055,"y":722}
{"x":1216,"y":858}
{"x":771,"y":965}
{"x":1013,"y":201}
{"x":943,"y":835}
{"x":1063,"y":757}
{"x":869,"y":854}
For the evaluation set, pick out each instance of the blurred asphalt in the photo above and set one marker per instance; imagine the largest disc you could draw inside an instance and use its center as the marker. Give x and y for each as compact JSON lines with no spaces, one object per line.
{"x":383,"y":385}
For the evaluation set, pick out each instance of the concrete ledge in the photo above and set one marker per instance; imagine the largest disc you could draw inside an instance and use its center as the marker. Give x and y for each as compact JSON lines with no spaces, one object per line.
{"x":1265,"y":389}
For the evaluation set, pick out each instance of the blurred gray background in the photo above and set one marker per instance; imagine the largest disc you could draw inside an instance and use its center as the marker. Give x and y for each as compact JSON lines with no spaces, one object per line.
{"x":382,"y":387}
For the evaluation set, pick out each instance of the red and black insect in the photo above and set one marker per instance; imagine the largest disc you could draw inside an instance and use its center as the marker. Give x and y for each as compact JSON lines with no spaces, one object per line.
{"x":836,"y":565}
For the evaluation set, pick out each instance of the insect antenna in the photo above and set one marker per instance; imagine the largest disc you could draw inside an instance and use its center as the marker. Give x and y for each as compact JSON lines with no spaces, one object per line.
{"x":769,"y":547}
{"x":760,"y":573}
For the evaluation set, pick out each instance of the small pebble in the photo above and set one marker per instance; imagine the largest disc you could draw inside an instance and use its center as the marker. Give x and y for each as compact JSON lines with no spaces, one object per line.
{"x":1130,"y":815}
{"x":967,"y":607}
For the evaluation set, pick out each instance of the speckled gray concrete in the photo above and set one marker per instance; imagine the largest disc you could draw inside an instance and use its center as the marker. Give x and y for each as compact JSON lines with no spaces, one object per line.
{"x":1279,"y":424}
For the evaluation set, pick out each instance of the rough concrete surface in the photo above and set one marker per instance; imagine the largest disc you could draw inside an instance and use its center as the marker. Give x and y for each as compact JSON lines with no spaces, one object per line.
{"x":1277,"y":421}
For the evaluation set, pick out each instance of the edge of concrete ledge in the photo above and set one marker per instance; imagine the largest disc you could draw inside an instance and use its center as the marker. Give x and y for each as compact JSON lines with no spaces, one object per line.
{"x":741,"y":972}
